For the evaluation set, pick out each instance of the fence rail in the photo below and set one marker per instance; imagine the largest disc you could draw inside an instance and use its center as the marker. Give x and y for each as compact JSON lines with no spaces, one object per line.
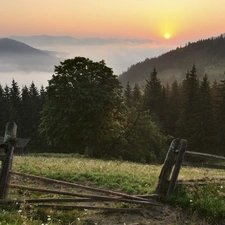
{"x":165,"y":187}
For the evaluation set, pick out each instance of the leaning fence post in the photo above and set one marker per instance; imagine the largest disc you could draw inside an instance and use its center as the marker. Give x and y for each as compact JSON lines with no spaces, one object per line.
{"x":176,"y":170}
{"x":9,"y":141}
{"x":169,"y":162}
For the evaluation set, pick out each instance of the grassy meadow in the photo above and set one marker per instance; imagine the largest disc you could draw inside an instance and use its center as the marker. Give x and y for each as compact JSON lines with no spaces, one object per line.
{"x":207,"y":198}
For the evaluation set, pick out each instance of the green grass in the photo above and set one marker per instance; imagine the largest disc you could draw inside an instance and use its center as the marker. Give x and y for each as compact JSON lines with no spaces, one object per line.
{"x":131,"y":178}
{"x":207,"y":198}
{"x":127,"y":177}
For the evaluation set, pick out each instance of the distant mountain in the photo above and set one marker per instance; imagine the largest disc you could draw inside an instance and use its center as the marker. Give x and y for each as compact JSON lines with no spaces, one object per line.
{"x":15,"y":55}
{"x":46,"y":40}
{"x":207,"y":55}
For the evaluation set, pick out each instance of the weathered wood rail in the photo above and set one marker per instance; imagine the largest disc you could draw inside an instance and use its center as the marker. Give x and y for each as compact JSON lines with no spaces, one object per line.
{"x":165,"y":187}
{"x":205,"y":156}
{"x":104,"y":195}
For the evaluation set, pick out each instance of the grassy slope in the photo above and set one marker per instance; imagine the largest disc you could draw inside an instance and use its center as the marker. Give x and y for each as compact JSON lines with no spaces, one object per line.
{"x":131,"y":178}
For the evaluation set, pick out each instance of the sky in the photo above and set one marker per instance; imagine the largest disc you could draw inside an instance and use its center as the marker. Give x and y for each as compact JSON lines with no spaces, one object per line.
{"x":183,"y":20}
{"x":180,"y":21}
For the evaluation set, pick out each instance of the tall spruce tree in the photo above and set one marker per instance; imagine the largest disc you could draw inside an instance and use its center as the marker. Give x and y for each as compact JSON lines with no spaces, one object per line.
{"x":203,"y":135}
{"x":35,"y":103}
{"x":42,"y":97}
{"x":2,"y":104}
{"x":153,"y":95}
{"x":173,"y":109}
{"x":220,"y":118}
{"x":137,"y":96}
{"x":7,"y":104}
{"x":128,"y":95}
{"x":189,"y":108}
{"x":15,"y":99}
{"x":26,"y":121}
{"x":34,"y":112}
{"x":164,"y":107}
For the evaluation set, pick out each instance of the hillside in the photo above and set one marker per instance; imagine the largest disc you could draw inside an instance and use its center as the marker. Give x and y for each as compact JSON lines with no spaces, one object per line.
{"x":15,"y":55}
{"x":208,"y":56}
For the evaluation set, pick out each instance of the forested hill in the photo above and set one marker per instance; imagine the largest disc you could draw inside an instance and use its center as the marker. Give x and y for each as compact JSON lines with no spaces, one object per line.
{"x":15,"y":55}
{"x":207,"y":55}
{"x":11,"y":46}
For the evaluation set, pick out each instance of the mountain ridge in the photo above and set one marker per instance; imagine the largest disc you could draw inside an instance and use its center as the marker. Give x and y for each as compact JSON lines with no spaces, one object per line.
{"x":15,"y":55}
{"x":8,"y":45}
{"x":42,"y":40}
{"x":207,"y":55}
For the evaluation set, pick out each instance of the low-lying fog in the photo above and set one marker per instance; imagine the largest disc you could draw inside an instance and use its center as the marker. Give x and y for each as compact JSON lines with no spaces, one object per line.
{"x":24,"y":78}
{"x":118,"y":57}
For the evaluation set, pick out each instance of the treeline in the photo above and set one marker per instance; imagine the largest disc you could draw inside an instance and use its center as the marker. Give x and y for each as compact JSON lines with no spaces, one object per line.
{"x":136,"y":124}
{"x":193,"y":109}
{"x":82,"y":110}
{"x":204,"y":53}
{"x":23,"y":107}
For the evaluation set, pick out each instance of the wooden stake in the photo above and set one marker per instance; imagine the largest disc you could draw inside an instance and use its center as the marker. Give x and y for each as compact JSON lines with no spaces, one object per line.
{"x":169,"y":162}
{"x":9,"y":140}
{"x":176,"y":170}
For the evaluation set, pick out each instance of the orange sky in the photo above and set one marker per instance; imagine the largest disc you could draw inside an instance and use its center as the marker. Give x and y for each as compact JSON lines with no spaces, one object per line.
{"x":184,"y":20}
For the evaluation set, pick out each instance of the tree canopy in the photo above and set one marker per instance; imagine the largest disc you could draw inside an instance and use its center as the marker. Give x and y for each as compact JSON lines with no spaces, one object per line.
{"x":83,"y":105}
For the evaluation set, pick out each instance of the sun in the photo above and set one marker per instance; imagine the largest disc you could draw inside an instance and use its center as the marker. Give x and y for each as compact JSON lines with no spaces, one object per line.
{"x":167,"y":36}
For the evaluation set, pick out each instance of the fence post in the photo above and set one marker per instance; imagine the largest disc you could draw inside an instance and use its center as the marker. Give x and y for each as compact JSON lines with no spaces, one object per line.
{"x":176,"y":170}
{"x":169,"y":162}
{"x":9,"y":141}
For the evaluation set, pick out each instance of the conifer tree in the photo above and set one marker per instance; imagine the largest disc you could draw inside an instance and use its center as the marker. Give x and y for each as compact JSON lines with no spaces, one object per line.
{"x":42,"y":96}
{"x":137,"y":96}
{"x":2,"y":121}
{"x":26,"y":121}
{"x":15,"y":100}
{"x":35,"y":111}
{"x":173,"y":108}
{"x":203,"y":134}
{"x":153,"y":95}
{"x":220,"y":118}
{"x":189,"y":108}
{"x":128,"y":95}
{"x":215,"y":98}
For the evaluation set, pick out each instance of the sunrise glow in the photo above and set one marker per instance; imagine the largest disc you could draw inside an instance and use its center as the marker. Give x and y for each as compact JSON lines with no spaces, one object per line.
{"x":167,"y":36}
{"x":114,"y":19}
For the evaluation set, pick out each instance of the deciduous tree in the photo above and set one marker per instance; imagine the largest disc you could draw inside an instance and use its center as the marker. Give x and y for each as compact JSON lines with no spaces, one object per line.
{"x":83,"y":106}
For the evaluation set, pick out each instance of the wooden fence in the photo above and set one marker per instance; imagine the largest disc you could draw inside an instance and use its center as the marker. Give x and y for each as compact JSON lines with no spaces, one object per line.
{"x":6,"y":157}
{"x":166,"y":183}
{"x":173,"y":162}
